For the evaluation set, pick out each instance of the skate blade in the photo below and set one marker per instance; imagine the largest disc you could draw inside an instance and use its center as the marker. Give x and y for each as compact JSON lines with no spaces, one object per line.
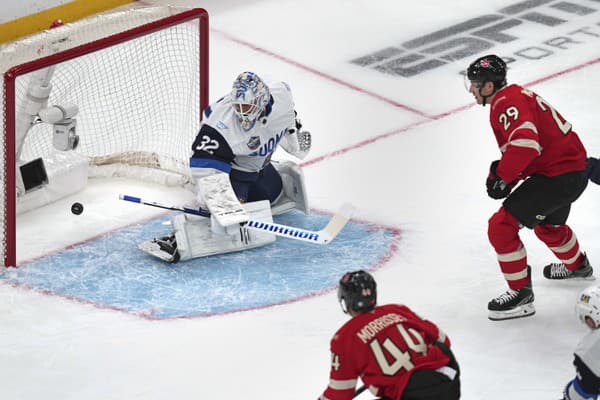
{"x":152,"y":248}
{"x":525,"y":310}
{"x":574,"y":279}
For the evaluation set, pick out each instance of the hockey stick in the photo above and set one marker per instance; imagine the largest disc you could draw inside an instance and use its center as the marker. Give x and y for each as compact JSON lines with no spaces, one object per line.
{"x":196,"y":211}
{"x":359,"y":391}
{"x":324,"y":236}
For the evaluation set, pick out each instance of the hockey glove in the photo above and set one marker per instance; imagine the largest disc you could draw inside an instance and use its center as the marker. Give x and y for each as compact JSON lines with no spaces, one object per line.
{"x":592,"y":170}
{"x":297,"y":142}
{"x":496,"y":187}
{"x":304,"y":138}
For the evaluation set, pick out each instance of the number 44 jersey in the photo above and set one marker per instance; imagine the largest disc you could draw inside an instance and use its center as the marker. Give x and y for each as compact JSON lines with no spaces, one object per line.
{"x":532,"y":136}
{"x":383,"y":347}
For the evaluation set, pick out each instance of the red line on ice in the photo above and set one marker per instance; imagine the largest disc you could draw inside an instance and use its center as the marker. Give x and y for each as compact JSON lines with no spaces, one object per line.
{"x":323,"y":74}
{"x":366,"y":142}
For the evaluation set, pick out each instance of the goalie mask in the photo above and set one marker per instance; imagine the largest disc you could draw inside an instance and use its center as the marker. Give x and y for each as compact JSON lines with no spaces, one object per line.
{"x":587,"y":307}
{"x":357,"y":292}
{"x":249,"y":97}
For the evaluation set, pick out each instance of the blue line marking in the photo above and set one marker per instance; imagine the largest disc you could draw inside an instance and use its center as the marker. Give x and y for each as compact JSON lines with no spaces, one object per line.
{"x":112,"y":272}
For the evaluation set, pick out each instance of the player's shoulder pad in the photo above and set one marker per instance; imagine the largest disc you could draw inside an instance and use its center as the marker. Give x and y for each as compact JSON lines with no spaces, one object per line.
{"x":210,"y":142}
{"x":209,"y":131}
{"x":209,"y":109}
{"x":347,"y":330}
{"x":220,"y":115}
{"x":511,"y":96}
{"x":283,"y":102}
{"x":280,"y":90}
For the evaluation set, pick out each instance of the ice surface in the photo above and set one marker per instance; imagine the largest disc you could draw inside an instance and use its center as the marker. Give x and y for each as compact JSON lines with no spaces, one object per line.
{"x":419,"y":172}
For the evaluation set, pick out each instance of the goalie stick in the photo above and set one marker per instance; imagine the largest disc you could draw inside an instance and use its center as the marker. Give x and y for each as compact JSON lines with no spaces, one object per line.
{"x":324,"y":236}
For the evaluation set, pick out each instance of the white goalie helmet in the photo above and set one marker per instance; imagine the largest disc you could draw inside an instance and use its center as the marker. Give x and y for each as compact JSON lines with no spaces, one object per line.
{"x":249,"y":97}
{"x":587,"y":307}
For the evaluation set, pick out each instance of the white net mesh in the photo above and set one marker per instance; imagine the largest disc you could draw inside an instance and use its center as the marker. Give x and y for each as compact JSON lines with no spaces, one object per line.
{"x":143,"y":97}
{"x":138,"y":100}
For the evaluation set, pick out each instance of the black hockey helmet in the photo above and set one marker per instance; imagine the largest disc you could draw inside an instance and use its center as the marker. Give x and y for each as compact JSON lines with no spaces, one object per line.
{"x":357,"y":292}
{"x":490,"y":68}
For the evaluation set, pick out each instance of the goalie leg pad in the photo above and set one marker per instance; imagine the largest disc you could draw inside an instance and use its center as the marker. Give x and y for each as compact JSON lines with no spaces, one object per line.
{"x":294,"y":190}
{"x":196,"y":238}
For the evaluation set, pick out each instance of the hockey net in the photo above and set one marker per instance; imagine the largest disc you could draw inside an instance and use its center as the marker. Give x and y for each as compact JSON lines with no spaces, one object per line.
{"x":138,"y":79}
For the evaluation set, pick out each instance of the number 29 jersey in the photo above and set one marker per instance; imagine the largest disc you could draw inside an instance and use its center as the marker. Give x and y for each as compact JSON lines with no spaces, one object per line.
{"x":532,"y":136}
{"x":382,"y":347}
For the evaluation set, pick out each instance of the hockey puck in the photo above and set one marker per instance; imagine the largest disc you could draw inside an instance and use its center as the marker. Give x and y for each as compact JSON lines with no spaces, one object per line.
{"x":77,"y":208}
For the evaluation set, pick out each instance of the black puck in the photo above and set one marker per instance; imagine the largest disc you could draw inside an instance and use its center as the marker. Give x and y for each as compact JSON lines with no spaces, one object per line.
{"x":77,"y":208}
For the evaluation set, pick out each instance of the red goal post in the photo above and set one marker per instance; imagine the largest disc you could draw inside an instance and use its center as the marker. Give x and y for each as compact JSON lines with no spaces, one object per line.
{"x":137,"y":80}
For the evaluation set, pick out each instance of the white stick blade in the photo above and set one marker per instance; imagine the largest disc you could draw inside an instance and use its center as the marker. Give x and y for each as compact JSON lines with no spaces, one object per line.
{"x":337,"y":223}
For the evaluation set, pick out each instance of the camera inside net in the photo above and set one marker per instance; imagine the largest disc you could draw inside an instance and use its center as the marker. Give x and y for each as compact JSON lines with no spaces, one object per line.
{"x":64,"y":125}
{"x":65,"y":136}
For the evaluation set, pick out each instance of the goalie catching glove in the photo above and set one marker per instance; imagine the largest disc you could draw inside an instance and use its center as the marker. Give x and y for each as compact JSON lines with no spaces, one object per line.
{"x":496,"y":187}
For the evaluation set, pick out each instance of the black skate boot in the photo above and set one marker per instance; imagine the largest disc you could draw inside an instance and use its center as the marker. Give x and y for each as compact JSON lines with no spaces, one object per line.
{"x":168,"y":244}
{"x":513,"y":303}
{"x":560,"y":271}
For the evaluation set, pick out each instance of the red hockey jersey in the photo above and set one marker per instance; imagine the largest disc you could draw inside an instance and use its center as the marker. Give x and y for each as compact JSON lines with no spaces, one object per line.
{"x":533,"y":137}
{"x":382,"y":347}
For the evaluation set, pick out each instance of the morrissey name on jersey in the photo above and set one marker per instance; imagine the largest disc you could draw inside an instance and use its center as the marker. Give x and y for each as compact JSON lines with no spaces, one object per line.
{"x":371,"y":329}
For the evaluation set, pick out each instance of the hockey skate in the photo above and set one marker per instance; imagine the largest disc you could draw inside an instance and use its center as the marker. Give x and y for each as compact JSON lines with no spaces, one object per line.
{"x":560,"y":271}
{"x":513,"y":303}
{"x":164,"y":248}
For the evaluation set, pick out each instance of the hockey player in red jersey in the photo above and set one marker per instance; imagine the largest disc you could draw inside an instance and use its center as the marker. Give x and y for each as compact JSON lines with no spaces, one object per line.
{"x":397,"y":355}
{"x":541,"y":152}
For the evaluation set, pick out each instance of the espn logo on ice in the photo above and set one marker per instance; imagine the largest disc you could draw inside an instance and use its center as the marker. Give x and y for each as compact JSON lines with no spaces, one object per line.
{"x":481,"y":34}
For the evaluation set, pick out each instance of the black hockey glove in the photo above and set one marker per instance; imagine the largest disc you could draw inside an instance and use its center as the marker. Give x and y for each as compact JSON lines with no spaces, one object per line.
{"x":496,"y":187}
{"x":593,"y":170}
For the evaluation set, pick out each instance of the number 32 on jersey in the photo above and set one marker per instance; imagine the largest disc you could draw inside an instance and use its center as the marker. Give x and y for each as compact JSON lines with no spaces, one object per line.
{"x":207,"y":144}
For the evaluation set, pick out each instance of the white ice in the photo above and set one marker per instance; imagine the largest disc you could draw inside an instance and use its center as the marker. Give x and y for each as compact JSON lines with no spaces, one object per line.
{"x":424,"y":175}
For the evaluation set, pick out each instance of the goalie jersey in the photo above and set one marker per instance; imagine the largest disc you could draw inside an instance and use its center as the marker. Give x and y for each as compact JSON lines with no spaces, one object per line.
{"x":587,"y":362}
{"x":222,"y":144}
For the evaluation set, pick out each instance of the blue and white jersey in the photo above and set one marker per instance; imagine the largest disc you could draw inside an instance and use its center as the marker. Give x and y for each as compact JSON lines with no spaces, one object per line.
{"x":588,"y":350}
{"x":222,"y":144}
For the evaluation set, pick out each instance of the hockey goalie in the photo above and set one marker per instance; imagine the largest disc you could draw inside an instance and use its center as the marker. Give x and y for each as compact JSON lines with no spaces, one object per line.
{"x":235,"y":177}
